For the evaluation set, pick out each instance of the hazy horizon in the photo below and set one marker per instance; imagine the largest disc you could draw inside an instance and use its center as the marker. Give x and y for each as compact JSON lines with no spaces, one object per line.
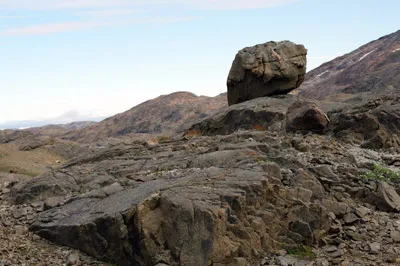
{"x":91,"y":59}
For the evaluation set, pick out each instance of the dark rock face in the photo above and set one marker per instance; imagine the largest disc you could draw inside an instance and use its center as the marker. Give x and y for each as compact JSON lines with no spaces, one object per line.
{"x":306,"y":116}
{"x":261,"y":114}
{"x":191,"y":202}
{"x":266,"y":69}
{"x":370,"y":122}
{"x":373,"y":123}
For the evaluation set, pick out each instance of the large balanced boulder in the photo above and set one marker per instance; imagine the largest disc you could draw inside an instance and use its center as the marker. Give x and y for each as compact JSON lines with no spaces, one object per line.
{"x":266,"y":69}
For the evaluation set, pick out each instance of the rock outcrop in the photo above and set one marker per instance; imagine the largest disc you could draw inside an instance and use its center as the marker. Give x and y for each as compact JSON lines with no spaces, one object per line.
{"x":267,"y":69}
{"x":306,"y":116}
{"x":261,"y":114}
{"x":225,"y":200}
{"x":372,"y":122}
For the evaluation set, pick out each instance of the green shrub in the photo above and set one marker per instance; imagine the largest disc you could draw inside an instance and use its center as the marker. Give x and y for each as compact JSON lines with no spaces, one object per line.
{"x":302,"y":252}
{"x":381,"y":173}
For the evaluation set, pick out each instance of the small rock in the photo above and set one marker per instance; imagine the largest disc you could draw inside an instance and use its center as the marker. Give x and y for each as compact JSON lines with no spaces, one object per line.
{"x":4,"y":263}
{"x":305,"y":116}
{"x":395,"y":235}
{"x":113,"y":188}
{"x":303,"y":229}
{"x":350,"y":218}
{"x":19,"y":230}
{"x":362,"y":211}
{"x":18,"y":213}
{"x":374,"y":247}
{"x":73,"y":259}
{"x":53,"y":202}
{"x":286,"y":260}
{"x":330,"y":249}
{"x":355,"y":236}
{"x":38,"y":206}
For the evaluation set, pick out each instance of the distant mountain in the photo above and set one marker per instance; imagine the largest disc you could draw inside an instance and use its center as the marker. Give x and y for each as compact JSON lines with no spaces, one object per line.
{"x":57,"y":130}
{"x":41,"y":123}
{"x":373,"y":67}
{"x":166,"y":114}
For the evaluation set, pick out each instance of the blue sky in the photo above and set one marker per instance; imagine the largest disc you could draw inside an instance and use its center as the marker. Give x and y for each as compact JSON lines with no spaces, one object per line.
{"x":95,"y":58}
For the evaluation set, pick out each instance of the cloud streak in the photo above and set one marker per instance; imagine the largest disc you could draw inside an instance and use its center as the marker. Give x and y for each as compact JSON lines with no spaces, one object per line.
{"x":104,"y":13}
{"x":85,"y":4}
{"x":108,"y":12}
{"x":236,"y":4}
{"x":53,"y":28}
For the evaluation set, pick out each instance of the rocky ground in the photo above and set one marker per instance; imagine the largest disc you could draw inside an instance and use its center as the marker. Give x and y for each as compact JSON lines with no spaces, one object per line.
{"x":19,"y":246}
{"x":254,"y":193}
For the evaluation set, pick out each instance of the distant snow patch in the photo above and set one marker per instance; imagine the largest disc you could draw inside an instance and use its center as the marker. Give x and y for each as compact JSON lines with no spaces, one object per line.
{"x":362,"y":57}
{"x":322,"y":73}
{"x":398,"y":49}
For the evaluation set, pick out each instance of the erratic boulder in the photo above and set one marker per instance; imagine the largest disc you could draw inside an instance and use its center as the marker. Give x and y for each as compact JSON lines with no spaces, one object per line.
{"x":267,"y":69}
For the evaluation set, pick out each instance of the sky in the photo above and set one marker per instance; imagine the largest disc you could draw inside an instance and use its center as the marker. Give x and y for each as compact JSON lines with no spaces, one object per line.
{"x":96,"y":58}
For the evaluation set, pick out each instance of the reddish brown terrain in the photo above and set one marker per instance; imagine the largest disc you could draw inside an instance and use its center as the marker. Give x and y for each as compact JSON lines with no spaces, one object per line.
{"x":370,"y":68}
{"x":164,"y":115}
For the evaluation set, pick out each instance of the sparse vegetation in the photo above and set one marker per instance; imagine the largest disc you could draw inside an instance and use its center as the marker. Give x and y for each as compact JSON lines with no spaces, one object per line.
{"x":262,"y":160}
{"x":381,"y":173}
{"x":193,"y":134}
{"x":31,"y":163}
{"x":8,"y":168}
{"x":302,"y":252}
{"x":163,"y":138}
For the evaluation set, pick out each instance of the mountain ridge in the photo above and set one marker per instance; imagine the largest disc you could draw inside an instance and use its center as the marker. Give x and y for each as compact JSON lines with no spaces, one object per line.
{"x":166,"y":115}
{"x":369,"y":68}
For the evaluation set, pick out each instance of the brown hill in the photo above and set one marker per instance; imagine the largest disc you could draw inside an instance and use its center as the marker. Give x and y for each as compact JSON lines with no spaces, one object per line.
{"x":166,"y":114}
{"x":371,"y":68}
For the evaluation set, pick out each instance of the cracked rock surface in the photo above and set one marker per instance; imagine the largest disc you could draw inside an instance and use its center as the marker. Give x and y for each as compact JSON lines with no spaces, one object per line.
{"x":248,"y":198}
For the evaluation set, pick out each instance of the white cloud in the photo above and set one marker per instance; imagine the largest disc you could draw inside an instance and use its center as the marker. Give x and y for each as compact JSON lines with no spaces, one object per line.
{"x":108,"y":12}
{"x":96,"y":9}
{"x":14,"y":17}
{"x":52,"y":28}
{"x":79,"y":4}
{"x":62,"y":4}
{"x":59,"y":27}
{"x":236,"y":4}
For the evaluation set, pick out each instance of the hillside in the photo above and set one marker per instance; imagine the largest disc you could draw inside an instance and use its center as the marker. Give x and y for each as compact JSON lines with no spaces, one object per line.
{"x":60,"y":129}
{"x":166,"y":115}
{"x":371,"y":68}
